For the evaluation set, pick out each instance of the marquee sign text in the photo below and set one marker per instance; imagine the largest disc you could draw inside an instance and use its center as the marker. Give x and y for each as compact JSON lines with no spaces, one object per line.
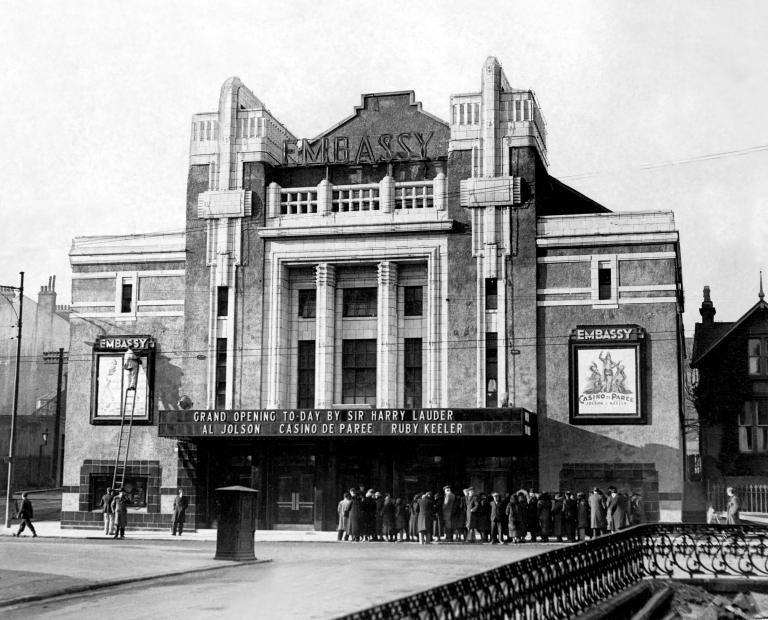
{"x":343,"y":422}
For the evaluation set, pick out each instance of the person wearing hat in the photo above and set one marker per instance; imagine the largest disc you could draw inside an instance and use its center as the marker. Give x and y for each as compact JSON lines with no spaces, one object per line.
{"x":379,"y":519}
{"x":635,"y":509}
{"x":598,"y":517}
{"x":474,"y":513}
{"x":354,"y":516}
{"x":448,"y":509}
{"x":496,"y":517}
{"x":424,"y":523}
{"x":583,"y":520}
{"x":558,"y":517}
{"x":25,"y":514}
{"x":120,"y":509}
{"x":570,"y":507}
{"x":106,"y":510}
{"x":132,"y":363}
{"x":180,"y":505}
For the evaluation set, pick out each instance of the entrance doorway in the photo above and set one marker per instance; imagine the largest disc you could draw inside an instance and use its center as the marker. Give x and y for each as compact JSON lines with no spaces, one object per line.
{"x":294,"y":475}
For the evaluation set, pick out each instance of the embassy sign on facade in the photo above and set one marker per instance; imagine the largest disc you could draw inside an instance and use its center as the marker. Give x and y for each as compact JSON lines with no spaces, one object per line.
{"x":365,"y":149}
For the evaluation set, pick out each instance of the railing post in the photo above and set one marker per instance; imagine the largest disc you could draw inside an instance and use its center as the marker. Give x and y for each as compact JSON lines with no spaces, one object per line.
{"x":387,"y":194}
{"x":324,"y":197}
{"x":273,"y":200}
{"x":439,"y":193}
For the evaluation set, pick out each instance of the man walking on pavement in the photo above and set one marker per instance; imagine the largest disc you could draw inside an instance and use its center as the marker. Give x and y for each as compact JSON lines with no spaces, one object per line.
{"x":25,"y":514}
{"x":180,"y":504}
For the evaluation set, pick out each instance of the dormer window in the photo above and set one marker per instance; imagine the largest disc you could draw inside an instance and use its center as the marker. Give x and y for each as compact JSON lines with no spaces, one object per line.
{"x":756,"y":355}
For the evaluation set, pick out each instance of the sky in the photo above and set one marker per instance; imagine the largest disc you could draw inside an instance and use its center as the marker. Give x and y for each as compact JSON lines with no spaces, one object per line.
{"x":649,"y":106}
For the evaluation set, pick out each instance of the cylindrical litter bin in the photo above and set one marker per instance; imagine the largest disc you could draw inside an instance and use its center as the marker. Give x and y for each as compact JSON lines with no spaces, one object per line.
{"x":237,"y":523}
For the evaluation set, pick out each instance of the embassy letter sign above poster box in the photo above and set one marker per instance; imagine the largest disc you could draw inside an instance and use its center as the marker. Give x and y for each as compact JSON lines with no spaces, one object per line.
{"x":231,"y":423}
{"x":607,"y":368}
{"x":109,"y":380}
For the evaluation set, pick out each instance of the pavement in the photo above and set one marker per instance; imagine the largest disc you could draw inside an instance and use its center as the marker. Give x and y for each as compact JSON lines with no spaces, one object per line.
{"x":150,"y":578}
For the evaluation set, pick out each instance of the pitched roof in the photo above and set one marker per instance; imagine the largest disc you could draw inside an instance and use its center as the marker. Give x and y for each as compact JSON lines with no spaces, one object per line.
{"x":706,"y":340}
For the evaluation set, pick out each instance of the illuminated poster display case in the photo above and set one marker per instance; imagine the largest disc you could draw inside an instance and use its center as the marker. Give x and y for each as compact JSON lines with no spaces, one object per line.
{"x":607,"y":375}
{"x":109,"y":381}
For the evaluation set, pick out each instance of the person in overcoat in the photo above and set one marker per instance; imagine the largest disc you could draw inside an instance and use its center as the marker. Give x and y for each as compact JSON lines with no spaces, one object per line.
{"x":438,"y":528}
{"x":474,"y":514}
{"x":484,"y":518}
{"x":369,"y":515}
{"x":120,"y":508}
{"x":448,"y":509}
{"x":520,"y":516}
{"x":635,"y":509}
{"x":413,"y":529}
{"x":424,"y":525}
{"x":401,"y":519}
{"x":388,"y":518}
{"x":544,"y":510}
{"x":616,"y":509}
{"x":570,"y":508}
{"x":558,"y":517}
{"x":583,"y":518}
{"x":598,"y":521}
{"x":342,"y":510}
{"x":460,"y":515}
{"x":180,"y":505}
{"x":26,"y":512}
{"x":354,"y":516}
{"x":513,"y":526}
{"x":532,"y":516}
{"x":496,"y":516}
{"x":734,"y":507}
{"x":378,"y":521}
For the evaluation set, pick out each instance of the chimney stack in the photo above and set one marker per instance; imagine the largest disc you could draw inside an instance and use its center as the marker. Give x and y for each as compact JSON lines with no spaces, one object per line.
{"x":46,"y":298}
{"x":707,"y":310}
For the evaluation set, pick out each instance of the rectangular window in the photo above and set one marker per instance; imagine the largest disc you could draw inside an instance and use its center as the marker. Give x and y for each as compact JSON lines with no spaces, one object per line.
{"x":413,"y":298}
{"x":305,"y":398}
{"x":221,"y":373}
{"x":126,"y":297}
{"x":756,"y":353}
{"x":307,"y":303}
{"x":358,"y":371}
{"x":604,"y":283}
{"x":222,"y":301}
{"x":461,"y":114}
{"x":359,"y":302}
{"x":477,"y":113}
{"x":412,"y":373}
{"x":753,"y":427}
{"x":491,"y":294}
{"x":491,"y":370}
{"x":135,"y":489}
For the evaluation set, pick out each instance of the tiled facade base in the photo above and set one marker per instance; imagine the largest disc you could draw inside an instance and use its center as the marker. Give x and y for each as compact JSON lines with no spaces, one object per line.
{"x":136,"y":521}
{"x":626,"y":477}
{"x":89,"y":516}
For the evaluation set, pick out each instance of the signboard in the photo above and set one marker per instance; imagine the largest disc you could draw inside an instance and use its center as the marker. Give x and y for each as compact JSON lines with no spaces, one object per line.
{"x":365,"y":149}
{"x":607,"y":372}
{"x":252,"y":423}
{"x":109,"y":399}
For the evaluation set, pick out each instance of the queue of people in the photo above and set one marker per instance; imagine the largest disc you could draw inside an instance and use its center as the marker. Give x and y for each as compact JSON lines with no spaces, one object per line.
{"x":495,"y":518}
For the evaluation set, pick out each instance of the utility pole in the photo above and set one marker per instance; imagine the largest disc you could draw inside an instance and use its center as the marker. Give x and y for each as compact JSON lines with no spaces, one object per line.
{"x":59,"y":357}
{"x":12,"y":443}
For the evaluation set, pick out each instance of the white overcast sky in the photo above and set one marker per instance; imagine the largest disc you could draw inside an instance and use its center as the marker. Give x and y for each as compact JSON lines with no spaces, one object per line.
{"x":96,"y":100}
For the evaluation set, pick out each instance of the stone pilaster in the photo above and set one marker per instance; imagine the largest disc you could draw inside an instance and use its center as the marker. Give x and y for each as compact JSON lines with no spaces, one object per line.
{"x":325,"y":278}
{"x":386,"y":343}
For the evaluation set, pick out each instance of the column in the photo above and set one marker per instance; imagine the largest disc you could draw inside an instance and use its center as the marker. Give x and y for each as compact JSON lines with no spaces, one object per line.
{"x":325,"y":278}
{"x":386,"y":342}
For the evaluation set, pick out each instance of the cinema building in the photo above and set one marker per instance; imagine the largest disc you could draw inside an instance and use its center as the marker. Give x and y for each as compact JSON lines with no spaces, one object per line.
{"x":399,"y":303}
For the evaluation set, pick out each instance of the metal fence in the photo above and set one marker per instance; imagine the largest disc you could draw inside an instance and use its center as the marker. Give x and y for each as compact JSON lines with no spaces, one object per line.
{"x":569,"y":581}
{"x":754,"y":497}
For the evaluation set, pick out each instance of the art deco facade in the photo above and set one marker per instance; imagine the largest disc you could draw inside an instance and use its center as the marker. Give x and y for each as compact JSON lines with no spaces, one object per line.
{"x":400,"y":302}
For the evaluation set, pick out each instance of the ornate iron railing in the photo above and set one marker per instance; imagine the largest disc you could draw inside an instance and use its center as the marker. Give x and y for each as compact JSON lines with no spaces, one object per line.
{"x":568,"y":581}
